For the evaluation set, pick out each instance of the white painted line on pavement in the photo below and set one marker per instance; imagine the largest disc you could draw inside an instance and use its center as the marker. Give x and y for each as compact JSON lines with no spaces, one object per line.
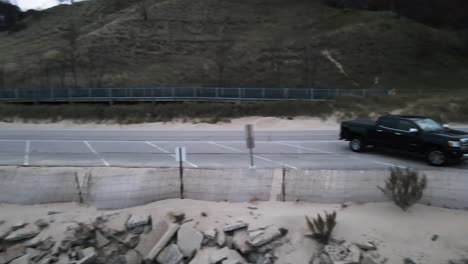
{"x":289,"y":166}
{"x":312,"y":149}
{"x":262,"y":158}
{"x":226,"y":147}
{"x":156,"y":146}
{"x":96,"y":153}
{"x":90,"y":147}
{"x":27,"y":150}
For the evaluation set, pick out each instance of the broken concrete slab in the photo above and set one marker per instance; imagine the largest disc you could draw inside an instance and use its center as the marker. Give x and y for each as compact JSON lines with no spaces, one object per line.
{"x":165,"y":233}
{"x":33,"y":253}
{"x":365,"y":245}
{"x":132,"y":257}
{"x":115,"y":224}
{"x":41,"y":223}
{"x":220,"y":237}
{"x":101,"y":240}
{"x":4,"y":231}
{"x":239,"y":240}
{"x":18,"y":224}
{"x":224,"y":254}
{"x":234,"y":226}
{"x":354,"y":255}
{"x":89,"y":255}
{"x":210,"y":234}
{"x":23,"y":233}
{"x":137,"y":220}
{"x":14,"y":252}
{"x":259,"y":238}
{"x":21,"y":260}
{"x":37,"y":240}
{"x":189,"y":239}
{"x":170,"y":255}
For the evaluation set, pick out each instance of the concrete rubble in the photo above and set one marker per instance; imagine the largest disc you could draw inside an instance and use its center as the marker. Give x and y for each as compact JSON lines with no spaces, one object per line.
{"x":111,"y":239}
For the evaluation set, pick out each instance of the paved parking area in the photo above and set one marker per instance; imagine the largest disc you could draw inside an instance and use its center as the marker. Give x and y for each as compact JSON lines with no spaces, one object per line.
{"x":320,"y":154}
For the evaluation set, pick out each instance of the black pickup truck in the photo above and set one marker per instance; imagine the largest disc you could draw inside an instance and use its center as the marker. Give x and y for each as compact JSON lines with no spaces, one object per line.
{"x":438,"y":143}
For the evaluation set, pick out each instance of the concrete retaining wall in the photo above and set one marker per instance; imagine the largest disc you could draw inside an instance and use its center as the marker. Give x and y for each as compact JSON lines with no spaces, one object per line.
{"x":113,"y":188}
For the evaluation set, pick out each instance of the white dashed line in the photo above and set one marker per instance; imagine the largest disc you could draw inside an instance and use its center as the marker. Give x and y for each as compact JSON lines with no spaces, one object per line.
{"x":27,"y":150}
{"x":295,"y":146}
{"x":90,"y":147}
{"x":96,"y":153}
{"x":156,"y":146}
{"x":226,"y":147}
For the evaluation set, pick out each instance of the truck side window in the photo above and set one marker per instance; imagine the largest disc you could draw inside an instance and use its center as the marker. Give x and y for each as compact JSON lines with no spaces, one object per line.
{"x":405,"y":125}
{"x":388,"y":123}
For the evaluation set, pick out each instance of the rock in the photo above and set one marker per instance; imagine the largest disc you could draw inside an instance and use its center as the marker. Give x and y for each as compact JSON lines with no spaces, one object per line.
{"x":337,"y":240}
{"x":137,"y":220}
{"x":435,"y":237}
{"x":132,"y":257}
{"x":366,"y":245}
{"x":231,"y":255}
{"x":23,"y":233}
{"x":325,"y":259}
{"x":216,"y":257}
{"x":239,"y":240}
{"x":14,"y":252}
{"x":4,"y":231}
{"x":341,"y":253}
{"x":41,"y":223}
{"x":164,"y":234}
{"x":33,"y":253}
{"x":21,"y":260}
{"x":458,"y":261}
{"x":36,"y":241}
{"x":89,"y":255}
{"x":116,"y":224}
{"x":220,"y":237}
{"x":231,"y":261}
{"x":210,"y":234}
{"x":46,"y":245}
{"x":189,"y":240}
{"x":19,"y":224}
{"x":368,"y":259}
{"x":101,"y":240}
{"x":63,"y":259}
{"x":2,"y":222}
{"x":176,"y":217}
{"x":354,"y":255}
{"x":234,"y":226}
{"x":170,"y":255}
{"x":53,"y":212}
{"x":259,"y":239}
{"x":345,"y":205}
{"x":49,"y":260}
{"x":132,"y":240}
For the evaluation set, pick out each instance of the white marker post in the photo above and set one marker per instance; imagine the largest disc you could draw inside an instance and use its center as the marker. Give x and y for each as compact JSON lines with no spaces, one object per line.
{"x":181,"y":157}
{"x":250,"y":140}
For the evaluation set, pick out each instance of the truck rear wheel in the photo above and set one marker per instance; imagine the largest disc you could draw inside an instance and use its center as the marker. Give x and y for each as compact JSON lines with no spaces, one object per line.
{"x":357,"y":144}
{"x":436,"y":157}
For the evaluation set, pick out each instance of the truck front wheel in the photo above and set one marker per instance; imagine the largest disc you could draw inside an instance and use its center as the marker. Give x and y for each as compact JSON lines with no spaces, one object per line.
{"x":436,"y":157}
{"x":357,"y":144}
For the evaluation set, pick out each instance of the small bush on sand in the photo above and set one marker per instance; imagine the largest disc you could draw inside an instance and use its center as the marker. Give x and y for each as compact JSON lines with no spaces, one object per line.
{"x":322,"y":229}
{"x":405,"y":187}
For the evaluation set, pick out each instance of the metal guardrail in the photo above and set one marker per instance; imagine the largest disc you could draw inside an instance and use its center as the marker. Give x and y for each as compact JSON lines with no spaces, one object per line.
{"x":171,"y":94}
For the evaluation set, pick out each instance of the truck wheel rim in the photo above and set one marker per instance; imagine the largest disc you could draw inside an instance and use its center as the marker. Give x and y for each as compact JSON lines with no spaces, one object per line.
{"x":356,"y":144}
{"x":437,"y":157}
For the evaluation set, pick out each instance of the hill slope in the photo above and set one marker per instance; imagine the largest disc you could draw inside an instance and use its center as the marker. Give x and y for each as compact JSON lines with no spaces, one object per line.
{"x":275,"y":43}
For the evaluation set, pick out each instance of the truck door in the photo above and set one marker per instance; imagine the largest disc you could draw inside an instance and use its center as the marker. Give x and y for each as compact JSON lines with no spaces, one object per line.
{"x":406,"y":140}
{"x":385,"y":129}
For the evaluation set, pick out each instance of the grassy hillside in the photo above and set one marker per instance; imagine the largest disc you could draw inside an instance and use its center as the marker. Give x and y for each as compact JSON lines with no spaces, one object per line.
{"x":247,"y":43}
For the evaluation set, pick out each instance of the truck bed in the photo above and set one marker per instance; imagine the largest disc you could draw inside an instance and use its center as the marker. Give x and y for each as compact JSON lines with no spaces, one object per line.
{"x":360,"y":123}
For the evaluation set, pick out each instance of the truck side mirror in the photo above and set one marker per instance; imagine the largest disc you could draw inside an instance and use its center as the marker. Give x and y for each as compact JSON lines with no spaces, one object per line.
{"x":413,"y":130}
{"x":446,"y":126}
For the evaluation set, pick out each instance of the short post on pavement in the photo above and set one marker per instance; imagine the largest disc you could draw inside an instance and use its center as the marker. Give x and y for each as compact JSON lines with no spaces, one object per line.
{"x":250,"y":140}
{"x":181,"y":157}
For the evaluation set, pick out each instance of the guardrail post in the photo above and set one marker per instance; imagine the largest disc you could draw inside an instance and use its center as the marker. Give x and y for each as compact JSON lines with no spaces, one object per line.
{"x":194,"y":92}
{"x":239,"y":92}
{"x":312,"y":95}
{"x":286,"y":93}
{"x":173,"y":92}
{"x":152,"y":96}
{"x":263,"y":93}
{"x":217,"y":92}
{"x":17,"y":94}
{"x":110,"y":96}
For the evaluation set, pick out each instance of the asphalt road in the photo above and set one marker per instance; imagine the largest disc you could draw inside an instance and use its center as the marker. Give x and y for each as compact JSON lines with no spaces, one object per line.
{"x":315,"y":149}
